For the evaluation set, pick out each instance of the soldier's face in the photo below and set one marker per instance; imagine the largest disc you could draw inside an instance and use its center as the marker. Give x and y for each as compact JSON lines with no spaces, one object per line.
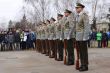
{"x":66,"y":14}
{"x":79,"y":9}
{"x":47,"y":22}
{"x":51,"y":21}
{"x":58,"y":18}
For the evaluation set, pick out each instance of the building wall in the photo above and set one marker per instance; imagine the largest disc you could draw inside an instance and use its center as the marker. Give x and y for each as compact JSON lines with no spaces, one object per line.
{"x":102,"y":26}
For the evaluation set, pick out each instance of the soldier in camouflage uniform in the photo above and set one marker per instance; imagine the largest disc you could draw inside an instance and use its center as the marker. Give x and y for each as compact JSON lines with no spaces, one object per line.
{"x":69,"y":36}
{"x":59,"y":43}
{"x":82,"y":35}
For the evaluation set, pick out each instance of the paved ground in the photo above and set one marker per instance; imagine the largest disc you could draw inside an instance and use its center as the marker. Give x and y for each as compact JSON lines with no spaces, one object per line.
{"x":32,"y":62}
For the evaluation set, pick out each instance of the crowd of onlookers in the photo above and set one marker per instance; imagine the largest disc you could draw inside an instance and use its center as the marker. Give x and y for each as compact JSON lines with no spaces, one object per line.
{"x":99,"y":39}
{"x":25,"y":40}
{"x":17,"y":40}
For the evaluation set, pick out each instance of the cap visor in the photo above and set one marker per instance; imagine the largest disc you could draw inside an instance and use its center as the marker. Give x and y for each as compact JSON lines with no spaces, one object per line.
{"x":78,"y":7}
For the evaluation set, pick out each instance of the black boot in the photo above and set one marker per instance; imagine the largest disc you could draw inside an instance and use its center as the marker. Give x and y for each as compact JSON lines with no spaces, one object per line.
{"x":83,"y":68}
{"x":70,"y":63}
{"x":59,"y":59}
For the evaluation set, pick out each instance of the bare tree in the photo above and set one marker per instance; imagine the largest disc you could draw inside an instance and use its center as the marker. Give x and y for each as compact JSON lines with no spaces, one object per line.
{"x":34,"y":12}
{"x":41,"y":8}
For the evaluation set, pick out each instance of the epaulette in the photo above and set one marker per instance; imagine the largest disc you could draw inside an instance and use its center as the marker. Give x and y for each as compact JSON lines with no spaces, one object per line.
{"x":85,"y":13}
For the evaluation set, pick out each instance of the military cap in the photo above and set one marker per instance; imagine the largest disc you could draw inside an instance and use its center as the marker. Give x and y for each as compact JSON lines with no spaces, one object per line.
{"x":79,"y":5}
{"x":48,"y":21}
{"x":68,"y":11}
{"x":44,"y":23}
{"x":60,"y":15}
{"x":40,"y":23}
{"x":53,"y":19}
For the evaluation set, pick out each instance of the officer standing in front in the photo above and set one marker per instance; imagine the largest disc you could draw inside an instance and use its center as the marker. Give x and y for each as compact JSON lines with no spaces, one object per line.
{"x":82,"y":35}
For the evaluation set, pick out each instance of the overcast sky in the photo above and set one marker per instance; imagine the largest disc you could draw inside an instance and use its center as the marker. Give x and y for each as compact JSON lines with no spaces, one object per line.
{"x":10,"y":9}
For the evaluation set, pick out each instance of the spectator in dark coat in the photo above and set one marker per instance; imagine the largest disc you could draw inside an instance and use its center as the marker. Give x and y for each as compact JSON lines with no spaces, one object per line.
{"x":93,"y":38}
{"x":108,"y":35}
{"x":2,"y":38}
{"x":29,"y":42}
{"x":33,"y":39}
{"x":11,"y":40}
{"x":6,"y":42}
{"x":17,"y":40}
{"x":104,"y":39}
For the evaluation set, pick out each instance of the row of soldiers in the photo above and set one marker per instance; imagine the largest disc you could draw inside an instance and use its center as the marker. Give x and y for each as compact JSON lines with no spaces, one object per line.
{"x":57,"y":39}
